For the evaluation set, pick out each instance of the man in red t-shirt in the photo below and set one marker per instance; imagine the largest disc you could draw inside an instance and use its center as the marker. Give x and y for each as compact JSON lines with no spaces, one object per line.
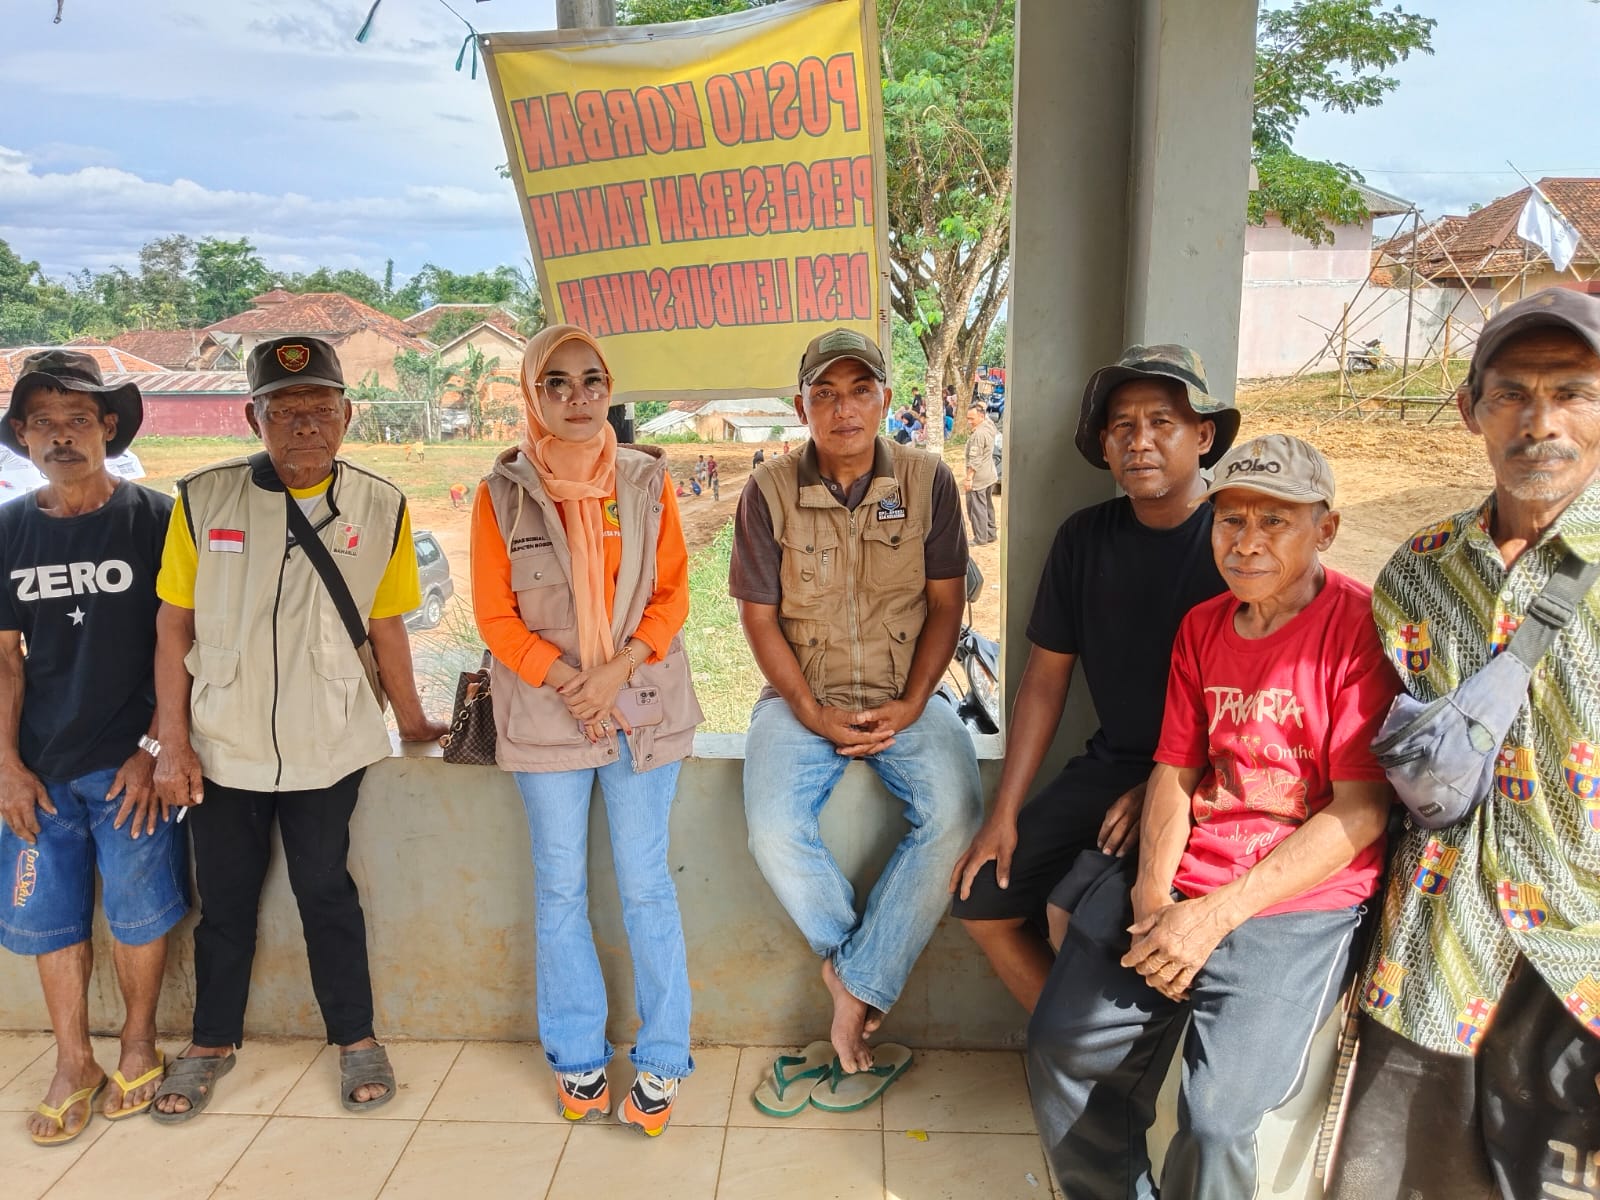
{"x":1261,"y":838}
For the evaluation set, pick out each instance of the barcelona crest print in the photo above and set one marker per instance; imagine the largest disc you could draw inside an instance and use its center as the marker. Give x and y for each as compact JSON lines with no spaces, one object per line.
{"x":1583,"y":1002}
{"x":1413,"y":648}
{"x":1432,"y":876}
{"x":1583,"y":779}
{"x":1432,"y":539}
{"x":1385,"y":985}
{"x":1521,"y":905}
{"x":1515,"y":776}
{"x":1472,"y":1020}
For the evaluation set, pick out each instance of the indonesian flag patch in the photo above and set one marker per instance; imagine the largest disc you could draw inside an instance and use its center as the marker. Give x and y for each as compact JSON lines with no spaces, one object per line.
{"x":226,"y":541}
{"x":347,"y":539}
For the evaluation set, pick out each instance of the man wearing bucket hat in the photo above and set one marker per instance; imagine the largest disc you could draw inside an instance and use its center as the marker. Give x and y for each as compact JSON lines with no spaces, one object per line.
{"x":282,"y":572}
{"x":79,"y":558}
{"x":1261,"y":838}
{"x":1119,"y":577}
{"x":1480,"y":1040}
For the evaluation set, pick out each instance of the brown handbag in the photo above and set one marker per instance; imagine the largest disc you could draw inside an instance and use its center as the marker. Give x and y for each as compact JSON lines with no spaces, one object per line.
{"x":471,"y":740}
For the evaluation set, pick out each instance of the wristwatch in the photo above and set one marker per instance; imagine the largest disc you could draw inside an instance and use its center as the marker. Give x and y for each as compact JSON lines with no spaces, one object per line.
{"x":150,"y":746}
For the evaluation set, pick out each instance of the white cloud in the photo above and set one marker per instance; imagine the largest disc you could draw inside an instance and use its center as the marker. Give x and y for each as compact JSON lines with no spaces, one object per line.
{"x":98,"y":216}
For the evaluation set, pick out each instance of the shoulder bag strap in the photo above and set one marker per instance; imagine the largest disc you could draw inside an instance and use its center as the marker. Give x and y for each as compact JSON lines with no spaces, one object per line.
{"x":306,"y":538}
{"x":1553,"y":608}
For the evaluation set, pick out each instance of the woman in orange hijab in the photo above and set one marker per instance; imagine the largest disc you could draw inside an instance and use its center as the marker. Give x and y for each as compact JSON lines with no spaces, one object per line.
{"x":580,"y":584}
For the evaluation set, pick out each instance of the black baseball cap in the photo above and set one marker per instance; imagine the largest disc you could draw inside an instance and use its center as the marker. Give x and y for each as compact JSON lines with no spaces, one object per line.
{"x":73,"y":371}
{"x":1560,"y":308}
{"x":290,"y":361}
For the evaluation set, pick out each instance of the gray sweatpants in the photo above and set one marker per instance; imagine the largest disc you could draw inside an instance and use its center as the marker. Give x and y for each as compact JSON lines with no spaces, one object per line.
{"x":1101,"y":1042}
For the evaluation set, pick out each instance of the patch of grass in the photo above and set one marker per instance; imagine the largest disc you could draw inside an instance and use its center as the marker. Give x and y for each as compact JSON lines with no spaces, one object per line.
{"x":726,"y":677}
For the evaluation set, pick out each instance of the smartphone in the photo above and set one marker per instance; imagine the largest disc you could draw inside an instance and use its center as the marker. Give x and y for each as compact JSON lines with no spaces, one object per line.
{"x":640,"y":705}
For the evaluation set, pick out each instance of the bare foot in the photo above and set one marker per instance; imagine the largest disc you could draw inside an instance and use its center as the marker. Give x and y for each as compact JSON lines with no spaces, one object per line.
{"x":849,"y":1031}
{"x":138,"y":1056}
{"x":70,"y":1076}
{"x":177,"y":1104}
{"x":367,"y":1091}
{"x":874,"y":1020}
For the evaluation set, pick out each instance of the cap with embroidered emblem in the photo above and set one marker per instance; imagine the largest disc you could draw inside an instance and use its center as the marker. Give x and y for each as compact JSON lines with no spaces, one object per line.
{"x":291,"y":361}
{"x":828,"y":348}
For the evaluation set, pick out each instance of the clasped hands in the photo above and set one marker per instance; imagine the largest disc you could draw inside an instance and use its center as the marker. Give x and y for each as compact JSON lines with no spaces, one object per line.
{"x":1172,"y":939}
{"x":864,"y":733}
{"x":591,"y":696}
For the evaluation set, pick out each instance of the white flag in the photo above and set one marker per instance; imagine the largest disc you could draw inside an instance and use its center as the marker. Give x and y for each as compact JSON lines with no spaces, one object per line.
{"x":1547,"y":229}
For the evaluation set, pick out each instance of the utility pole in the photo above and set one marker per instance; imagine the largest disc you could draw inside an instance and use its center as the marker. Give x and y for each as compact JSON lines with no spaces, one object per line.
{"x":597,"y":14}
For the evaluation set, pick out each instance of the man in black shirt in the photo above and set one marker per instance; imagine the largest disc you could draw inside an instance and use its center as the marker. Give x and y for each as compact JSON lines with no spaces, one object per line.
{"x":1119,"y":577}
{"x":78,"y":559}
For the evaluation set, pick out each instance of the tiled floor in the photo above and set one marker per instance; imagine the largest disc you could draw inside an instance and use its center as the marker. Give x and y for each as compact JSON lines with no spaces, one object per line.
{"x":476,"y":1121}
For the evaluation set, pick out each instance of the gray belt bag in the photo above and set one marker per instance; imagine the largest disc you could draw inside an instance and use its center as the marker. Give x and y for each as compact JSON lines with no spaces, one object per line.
{"x":1440,"y":756}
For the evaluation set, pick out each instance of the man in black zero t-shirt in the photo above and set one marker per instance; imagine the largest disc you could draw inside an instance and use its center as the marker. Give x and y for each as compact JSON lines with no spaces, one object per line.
{"x":1119,"y":577}
{"x":78,"y":563}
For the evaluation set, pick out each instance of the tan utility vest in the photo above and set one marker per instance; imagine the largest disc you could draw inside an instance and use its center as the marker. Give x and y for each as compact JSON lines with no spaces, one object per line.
{"x":853,"y":582}
{"x":536,"y":732}
{"x":280,"y":700}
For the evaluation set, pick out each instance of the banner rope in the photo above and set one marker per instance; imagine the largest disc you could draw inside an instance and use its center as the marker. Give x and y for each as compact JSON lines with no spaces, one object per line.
{"x":469,"y":42}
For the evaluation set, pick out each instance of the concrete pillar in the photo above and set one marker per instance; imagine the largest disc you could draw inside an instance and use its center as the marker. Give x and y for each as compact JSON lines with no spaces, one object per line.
{"x":1132,"y":149}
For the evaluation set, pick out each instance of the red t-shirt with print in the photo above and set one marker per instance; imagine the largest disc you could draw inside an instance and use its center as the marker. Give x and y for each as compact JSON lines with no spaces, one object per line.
{"x":1275,"y":721}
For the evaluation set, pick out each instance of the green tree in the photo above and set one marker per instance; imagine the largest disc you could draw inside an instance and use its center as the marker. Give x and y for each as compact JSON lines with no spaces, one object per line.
{"x":469,"y":379}
{"x":358,"y":285}
{"x":166,"y":267}
{"x":23,"y":321}
{"x":226,"y":274}
{"x":1335,"y":54}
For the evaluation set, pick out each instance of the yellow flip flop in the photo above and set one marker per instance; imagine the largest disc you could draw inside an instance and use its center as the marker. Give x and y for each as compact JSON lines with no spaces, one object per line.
{"x":133,"y":1085}
{"x":58,"y":1114}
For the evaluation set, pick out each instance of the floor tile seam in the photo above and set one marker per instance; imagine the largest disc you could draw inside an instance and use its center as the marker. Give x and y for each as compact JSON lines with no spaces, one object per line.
{"x":27,"y":1066}
{"x":289,"y":1091}
{"x":266,"y":1119}
{"x":461,"y":1047}
{"x":55,"y":1183}
{"x":395,"y":1165}
{"x":722,"y":1155}
{"x":555,"y":1171}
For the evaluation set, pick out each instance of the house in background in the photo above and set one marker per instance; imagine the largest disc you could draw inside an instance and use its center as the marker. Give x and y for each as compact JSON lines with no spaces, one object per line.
{"x":367,"y":340}
{"x":493,"y":340}
{"x":1484,"y":246}
{"x":176,"y":349}
{"x":422,"y":324}
{"x":746,"y":420}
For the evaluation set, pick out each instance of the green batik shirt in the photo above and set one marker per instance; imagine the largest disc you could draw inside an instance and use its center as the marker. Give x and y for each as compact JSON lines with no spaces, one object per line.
{"x":1522,"y":874}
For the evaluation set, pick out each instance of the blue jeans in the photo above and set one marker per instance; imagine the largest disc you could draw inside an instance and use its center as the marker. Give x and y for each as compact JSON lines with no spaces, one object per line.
{"x":571,"y":990}
{"x":789,"y":773}
{"x":144,"y":881}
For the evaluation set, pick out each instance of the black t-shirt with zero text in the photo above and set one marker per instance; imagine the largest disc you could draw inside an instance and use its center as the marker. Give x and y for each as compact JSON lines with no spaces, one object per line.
{"x":83,"y":592}
{"x":1112,"y":592}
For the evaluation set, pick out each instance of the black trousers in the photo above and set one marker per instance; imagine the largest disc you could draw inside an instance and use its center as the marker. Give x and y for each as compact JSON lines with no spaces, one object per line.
{"x":1519,"y":1121}
{"x":232,"y":841}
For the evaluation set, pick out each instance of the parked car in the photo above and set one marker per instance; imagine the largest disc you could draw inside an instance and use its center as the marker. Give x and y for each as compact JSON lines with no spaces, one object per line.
{"x":433,"y":570}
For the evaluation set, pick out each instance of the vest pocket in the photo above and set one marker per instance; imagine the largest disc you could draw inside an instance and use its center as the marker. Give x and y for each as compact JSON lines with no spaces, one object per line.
{"x":902,"y":640}
{"x":809,"y":640}
{"x":339,"y":674}
{"x":212,"y":667}
{"x":810,"y":563}
{"x":893,"y":551}
{"x":544,"y":598}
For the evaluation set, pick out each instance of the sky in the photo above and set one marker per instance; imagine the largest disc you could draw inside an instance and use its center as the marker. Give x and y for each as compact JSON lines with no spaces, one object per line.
{"x":265,"y":119}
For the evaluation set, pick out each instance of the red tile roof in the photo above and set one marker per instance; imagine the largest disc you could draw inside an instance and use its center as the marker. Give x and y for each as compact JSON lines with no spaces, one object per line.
{"x":321,"y":314}
{"x":490,"y":314}
{"x":175,"y":349}
{"x":1485,"y":243}
{"x":110,"y":358}
{"x":275,"y":296}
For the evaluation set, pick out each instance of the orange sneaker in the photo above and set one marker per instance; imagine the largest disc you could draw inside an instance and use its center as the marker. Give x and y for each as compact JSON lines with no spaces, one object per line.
{"x":648,"y":1105}
{"x":583,"y":1095}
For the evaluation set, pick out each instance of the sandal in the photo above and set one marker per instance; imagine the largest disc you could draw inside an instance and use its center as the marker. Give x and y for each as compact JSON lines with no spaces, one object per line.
{"x":58,"y":1114}
{"x":195,"y":1079}
{"x":850,"y":1093}
{"x":133,"y":1085}
{"x":358,"y":1068}
{"x":813,"y":1064}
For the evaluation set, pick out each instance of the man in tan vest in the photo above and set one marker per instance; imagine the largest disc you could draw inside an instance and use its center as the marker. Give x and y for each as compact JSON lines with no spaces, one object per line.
{"x":849,"y":563}
{"x":267,"y":709}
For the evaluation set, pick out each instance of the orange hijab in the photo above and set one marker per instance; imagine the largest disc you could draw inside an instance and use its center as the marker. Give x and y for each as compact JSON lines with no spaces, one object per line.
{"x":578,"y":476}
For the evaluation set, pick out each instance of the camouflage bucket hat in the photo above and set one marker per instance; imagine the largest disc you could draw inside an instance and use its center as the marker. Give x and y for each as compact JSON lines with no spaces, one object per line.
{"x":1155,"y":362}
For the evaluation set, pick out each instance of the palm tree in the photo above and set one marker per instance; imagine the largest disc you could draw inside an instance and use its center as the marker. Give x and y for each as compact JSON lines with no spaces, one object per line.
{"x":469,"y":379}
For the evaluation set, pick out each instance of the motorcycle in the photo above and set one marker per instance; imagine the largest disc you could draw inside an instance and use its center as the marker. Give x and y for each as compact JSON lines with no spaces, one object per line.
{"x":979,"y":658}
{"x":1368,"y":357}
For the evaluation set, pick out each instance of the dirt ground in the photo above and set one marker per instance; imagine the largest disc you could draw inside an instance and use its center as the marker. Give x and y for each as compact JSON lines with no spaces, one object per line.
{"x":1393,"y":477}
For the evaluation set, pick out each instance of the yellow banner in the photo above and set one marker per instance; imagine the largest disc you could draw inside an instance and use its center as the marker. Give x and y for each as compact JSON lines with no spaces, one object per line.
{"x":703,"y":197}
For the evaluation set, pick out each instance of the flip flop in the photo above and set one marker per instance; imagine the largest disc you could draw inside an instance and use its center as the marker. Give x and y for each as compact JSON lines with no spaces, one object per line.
{"x":358,"y":1068}
{"x":133,"y":1085}
{"x":195,"y":1079}
{"x":58,"y":1114}
{"x":813,"y":1064}
{"x":850,"y":1093}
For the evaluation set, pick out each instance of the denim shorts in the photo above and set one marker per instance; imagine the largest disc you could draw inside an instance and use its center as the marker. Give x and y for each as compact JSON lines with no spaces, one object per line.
{"x":50,"y":900}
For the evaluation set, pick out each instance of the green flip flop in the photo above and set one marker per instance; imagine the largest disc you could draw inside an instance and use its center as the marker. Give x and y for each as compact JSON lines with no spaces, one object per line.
{"x":778,"y":1095}
{"x":850,"y":1093}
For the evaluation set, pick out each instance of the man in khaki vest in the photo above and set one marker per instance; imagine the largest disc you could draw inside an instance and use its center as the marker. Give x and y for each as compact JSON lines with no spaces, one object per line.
{"x":849,"y":563}
{"x":266,"y":708}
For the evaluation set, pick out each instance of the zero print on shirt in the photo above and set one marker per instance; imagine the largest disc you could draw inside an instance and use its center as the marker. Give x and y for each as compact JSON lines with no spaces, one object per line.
{"x":72,"y":579}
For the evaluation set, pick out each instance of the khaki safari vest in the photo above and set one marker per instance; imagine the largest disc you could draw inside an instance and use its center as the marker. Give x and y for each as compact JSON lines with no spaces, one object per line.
{"x":280,"y":700}
{"x":536,"y":732}
{"x":853,"y":601}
